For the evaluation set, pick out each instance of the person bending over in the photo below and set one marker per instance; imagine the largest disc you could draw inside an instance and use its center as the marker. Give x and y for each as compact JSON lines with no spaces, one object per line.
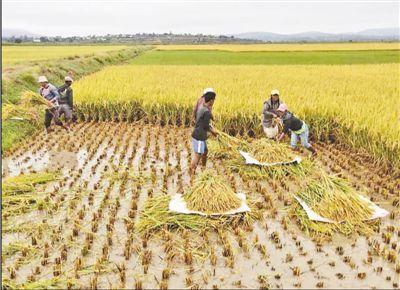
{"x":297,"y":128}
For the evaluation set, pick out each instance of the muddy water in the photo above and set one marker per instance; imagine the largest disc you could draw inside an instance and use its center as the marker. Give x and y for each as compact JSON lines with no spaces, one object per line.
{"x":157,"y":158}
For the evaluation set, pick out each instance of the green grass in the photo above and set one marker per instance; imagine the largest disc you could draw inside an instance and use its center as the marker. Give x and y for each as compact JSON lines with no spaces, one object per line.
{"x":198,"y":57}
{"x":13,"y":131}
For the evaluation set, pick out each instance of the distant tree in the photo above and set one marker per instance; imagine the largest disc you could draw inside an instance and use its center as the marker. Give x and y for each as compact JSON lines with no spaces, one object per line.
{"x":18,"y":40}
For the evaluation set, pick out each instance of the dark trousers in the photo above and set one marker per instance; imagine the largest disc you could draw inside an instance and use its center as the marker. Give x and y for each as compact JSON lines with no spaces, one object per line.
{"x":49,"y":115}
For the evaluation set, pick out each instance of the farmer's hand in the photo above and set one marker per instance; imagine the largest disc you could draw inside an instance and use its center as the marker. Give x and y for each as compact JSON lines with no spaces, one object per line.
{"x":280,"y":137}
{"x":214,"y":132}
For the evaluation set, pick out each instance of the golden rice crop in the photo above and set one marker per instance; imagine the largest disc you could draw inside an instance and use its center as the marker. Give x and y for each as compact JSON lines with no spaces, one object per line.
{"x":13,"y":54}
{"x":355,"y":103}
{"x":286,"y":47}
{"x":210,"y":193}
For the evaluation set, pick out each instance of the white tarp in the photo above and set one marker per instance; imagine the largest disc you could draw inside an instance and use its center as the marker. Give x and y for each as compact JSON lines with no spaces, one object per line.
{"x":252,"y":161}
{"x":312,"y":215}
{"x":178,"y":204}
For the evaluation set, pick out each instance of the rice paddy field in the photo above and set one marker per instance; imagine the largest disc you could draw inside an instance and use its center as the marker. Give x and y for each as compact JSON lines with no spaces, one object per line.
{"x":89,"y":208}
{"x":12,"y":54}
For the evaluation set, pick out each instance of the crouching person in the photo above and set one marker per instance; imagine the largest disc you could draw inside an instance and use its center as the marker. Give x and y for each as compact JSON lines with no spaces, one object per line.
{"x":199,"y":134}
{"x":269,"y":114}
{"x":66,"y":101}
{"x":297,"y":127}
{"x":51,"y":95}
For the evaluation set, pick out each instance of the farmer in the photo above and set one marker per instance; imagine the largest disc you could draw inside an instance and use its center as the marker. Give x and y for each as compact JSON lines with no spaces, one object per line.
{"x":200,"y":102}
{"x":65,"y":101}
{"x":199,"y":135}
{"x":51,"y":95}
{"x":269,"y":115}
{"x":297,"y":127}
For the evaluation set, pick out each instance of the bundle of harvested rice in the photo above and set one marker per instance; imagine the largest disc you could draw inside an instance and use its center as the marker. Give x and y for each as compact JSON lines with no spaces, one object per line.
{"x":268,"y":151}
{"x":210,"y":193}
{"x":333,"y":198}
{"x":156,"y":216}
{"x":226,"y":146}
{"x":30,"y":107}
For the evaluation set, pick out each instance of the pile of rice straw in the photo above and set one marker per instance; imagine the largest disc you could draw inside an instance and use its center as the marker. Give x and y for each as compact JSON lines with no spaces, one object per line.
{"x":25,"y":183}
{"x":333,"y":198}
{"x":20,"y":194}
{"x":211,"y":193}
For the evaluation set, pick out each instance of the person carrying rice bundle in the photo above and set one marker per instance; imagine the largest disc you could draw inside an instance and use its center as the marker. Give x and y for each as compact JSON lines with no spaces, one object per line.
{"x":201,"y":129}
{"x":297,"y":127}
{"x":50,"y":93}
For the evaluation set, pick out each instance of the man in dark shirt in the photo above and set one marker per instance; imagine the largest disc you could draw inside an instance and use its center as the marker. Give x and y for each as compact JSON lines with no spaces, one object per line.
{"x":66,"y":101}
{"x":297,"y":127}
{"x":199,"y":134}
{"x":200,"y":102}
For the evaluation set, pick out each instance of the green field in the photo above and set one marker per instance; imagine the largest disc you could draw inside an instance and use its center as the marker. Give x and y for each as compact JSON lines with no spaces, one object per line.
{"x":203,"y":57}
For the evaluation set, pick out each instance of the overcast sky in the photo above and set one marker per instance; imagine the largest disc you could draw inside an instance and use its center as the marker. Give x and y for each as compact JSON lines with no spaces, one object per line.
{"x":73,"y":17}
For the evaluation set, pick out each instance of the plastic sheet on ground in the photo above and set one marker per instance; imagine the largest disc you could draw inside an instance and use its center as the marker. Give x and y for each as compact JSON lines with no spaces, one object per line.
{"x":178,"y":205}
{"x":252,"y":161}
{"x":378,"y":212}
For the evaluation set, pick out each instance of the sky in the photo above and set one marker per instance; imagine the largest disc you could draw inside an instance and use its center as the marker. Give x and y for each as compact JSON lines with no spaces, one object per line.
{"x":99,"y":17}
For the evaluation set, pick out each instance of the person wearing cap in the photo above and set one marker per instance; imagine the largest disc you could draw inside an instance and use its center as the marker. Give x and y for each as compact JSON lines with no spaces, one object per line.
{"x":66,"y":101}
{"x":50,"y":93}
{"x":199,"y":134}
{"x":297,"y":127}
{"x":200,"y":102}
{"x":269,"y":114}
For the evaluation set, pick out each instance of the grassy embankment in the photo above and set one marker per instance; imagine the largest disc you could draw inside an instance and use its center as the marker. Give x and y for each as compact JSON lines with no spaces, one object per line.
{"x":22,"y":77}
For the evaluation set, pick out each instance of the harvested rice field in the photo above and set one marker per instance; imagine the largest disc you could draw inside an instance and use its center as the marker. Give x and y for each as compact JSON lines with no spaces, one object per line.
{"x":88,"y":221}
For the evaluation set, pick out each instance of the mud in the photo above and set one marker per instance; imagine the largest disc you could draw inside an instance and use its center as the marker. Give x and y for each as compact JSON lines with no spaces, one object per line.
{"x":92,"y":202}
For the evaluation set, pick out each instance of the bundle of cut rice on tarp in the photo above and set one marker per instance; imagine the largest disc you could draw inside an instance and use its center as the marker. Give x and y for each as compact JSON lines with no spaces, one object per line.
{"x":328,"y":204}
{"x":266,"y":152}
{"x":263,"y":151}
{"x":210,"y":194}
{"x":208,"y":204}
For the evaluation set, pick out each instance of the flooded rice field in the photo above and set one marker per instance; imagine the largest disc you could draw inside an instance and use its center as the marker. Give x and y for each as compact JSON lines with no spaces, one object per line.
{"x":85,"y":237}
